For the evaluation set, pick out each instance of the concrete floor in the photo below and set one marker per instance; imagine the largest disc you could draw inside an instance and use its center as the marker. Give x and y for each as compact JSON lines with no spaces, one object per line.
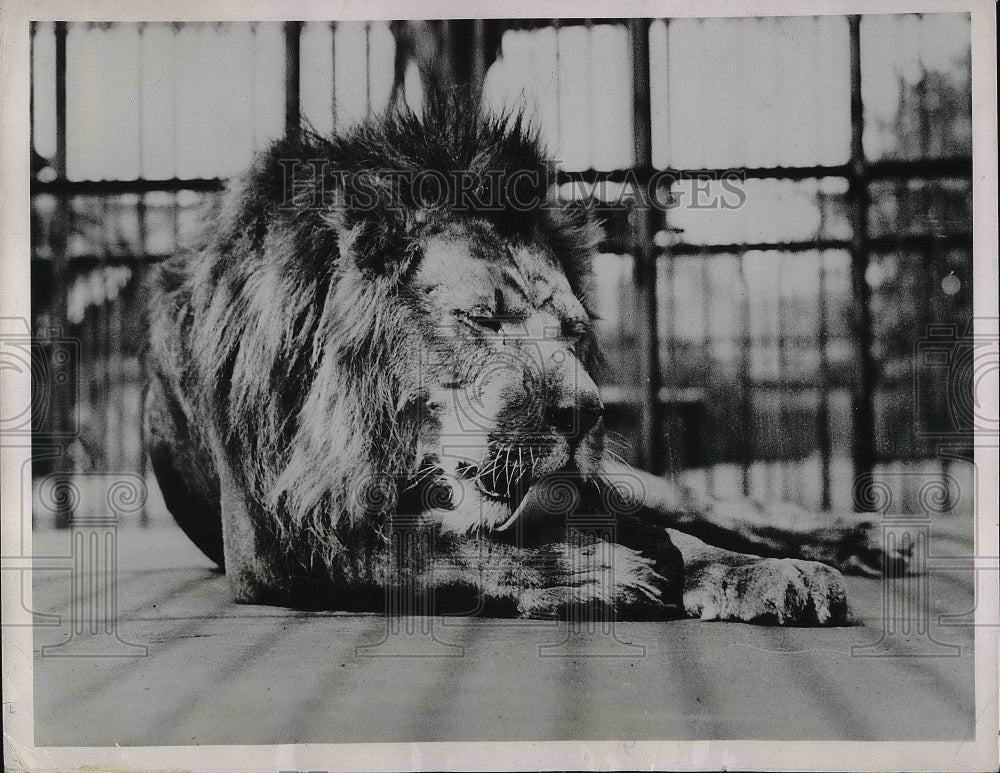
{"x":216,"y":673}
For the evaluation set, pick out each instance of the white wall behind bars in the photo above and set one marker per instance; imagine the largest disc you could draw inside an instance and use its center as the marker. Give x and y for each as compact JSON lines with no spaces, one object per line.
{"x":196,"y":102}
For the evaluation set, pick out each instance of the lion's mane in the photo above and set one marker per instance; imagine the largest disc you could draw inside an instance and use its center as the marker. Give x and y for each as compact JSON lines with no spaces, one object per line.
{"x":300,"y":370}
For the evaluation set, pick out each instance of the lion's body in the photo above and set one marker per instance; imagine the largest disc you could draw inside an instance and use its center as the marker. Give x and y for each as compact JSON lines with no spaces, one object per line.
{"x":347,"y":369}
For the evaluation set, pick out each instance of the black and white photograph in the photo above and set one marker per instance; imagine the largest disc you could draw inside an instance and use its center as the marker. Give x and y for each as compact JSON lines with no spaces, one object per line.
{"x":432,"y":386}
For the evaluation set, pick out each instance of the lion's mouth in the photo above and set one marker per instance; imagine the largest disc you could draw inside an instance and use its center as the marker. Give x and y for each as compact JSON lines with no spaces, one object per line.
{"x":508,"y":487}
{"x":553,"y":497}
{"x":513,"y":483}
{"x":549,"y":495}
{"x":525,"y":481}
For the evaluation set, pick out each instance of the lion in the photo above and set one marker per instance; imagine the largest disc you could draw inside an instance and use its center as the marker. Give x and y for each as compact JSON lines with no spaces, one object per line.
{"x":377,"y":371}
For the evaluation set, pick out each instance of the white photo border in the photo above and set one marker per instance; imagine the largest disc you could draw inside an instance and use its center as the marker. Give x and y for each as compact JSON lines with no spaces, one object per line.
{"x":19,"y":752}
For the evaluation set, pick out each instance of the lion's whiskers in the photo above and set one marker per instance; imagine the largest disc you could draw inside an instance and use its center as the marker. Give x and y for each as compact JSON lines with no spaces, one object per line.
{"x":615,"y":456}
{"x":423,"y":475}
{"x":617,"y":441}
{"x":506,"y":465}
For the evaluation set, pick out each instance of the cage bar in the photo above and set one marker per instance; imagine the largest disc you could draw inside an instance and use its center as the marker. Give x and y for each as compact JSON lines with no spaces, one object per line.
{"x":651,"y":451}
{"x":862,"y":241}
{"x":863,"y":452}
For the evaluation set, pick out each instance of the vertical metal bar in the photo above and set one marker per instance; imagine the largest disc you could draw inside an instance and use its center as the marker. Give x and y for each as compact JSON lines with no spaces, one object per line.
{"x":784,"y":390}
{"x":368,"y":68}
{"x":175,"y":220}
{"x":670,"y":312}
{"x":651,"y":451}
{"x":103,"y":384}
{"x":60,"y":158}
{"x":138,"y":280}
{"x":175,"y":209}
{"x":746,"y":384}
{"x":478,"y":70}
{"x":114,"y":376}
{"x":708,"y":353}
{"x":140,"y":109}
{"x":253,"y":86}
{"x":61,"y":400}
{"x":930,"y":264}
{"x":863,"y":452}
{"x":293,"y":116}
{"x":823,"y":411}
{"x":670,"y":302}
{"x":589,"y":117}
{"x":555,"y":27}
{"x":333,"y":79}
{"x":446,"y":55}
{"x":32,"y":75}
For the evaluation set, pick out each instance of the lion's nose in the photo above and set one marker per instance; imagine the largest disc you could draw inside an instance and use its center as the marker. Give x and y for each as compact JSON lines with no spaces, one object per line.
{"x":576,"y":418}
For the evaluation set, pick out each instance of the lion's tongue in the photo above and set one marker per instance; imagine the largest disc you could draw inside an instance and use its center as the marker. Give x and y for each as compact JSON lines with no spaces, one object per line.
{"x":525,"y":505}
{"x":539,"y":500}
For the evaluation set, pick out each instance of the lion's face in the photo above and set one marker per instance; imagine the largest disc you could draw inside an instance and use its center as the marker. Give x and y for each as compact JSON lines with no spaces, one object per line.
{"x":505,"y":372}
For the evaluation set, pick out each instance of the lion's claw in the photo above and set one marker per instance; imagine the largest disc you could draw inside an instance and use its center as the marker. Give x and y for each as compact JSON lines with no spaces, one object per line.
{"x":783,"y":591}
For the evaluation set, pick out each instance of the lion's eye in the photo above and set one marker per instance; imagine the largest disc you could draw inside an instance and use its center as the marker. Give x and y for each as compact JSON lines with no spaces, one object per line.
{"x":481,"y":318}
{"x":493,"y":324}
{"x":580,"y":337}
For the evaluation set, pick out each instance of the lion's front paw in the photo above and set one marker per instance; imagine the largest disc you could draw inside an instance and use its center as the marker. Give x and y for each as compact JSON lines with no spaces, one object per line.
{"x":784,"y":591}
{"x":601,"y":580}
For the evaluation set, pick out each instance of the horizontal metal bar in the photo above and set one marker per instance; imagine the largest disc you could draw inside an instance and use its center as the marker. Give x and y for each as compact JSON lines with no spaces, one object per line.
{"x":87,"y":262}
{"x":952,"y":167}
{"x":881,"y":244}
{"x":738,"y":248}
{"x":641,"y":175}
{"x":930,"y":168}
{"x":887,"y":169}
{"x":694,"y":397}
{"x":119,"y":187}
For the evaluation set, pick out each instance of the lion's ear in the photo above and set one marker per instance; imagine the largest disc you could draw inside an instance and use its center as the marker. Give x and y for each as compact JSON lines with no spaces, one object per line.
{"x":574,"y":234}
{"x":574,"y":231}
{"x":373,"y":214}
